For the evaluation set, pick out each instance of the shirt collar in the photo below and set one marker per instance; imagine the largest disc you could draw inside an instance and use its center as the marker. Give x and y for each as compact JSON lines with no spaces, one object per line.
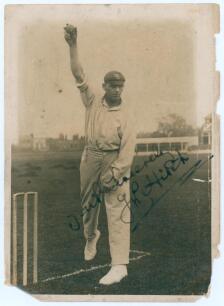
{"x":113,"y":108}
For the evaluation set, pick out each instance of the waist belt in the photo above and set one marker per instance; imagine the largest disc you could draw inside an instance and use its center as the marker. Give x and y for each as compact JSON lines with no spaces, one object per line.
{"x":97,"y":149}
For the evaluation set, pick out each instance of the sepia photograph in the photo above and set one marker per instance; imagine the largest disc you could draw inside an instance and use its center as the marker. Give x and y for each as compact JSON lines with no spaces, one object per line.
{"x":112,"y":157}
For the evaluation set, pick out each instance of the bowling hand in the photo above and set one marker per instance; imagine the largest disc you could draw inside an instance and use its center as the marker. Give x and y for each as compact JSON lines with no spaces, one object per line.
{"x":70,"y":34}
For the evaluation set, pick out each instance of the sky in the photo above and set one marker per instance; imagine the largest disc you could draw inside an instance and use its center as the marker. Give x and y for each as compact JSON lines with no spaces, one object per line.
{"x":159,"y":54}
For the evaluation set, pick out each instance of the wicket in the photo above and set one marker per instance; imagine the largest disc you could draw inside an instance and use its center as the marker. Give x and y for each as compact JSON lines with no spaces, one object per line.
{"x":25,"y":237}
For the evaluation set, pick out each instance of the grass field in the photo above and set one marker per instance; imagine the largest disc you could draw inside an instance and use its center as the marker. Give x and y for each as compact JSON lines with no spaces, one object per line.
{"x":176,"y":231}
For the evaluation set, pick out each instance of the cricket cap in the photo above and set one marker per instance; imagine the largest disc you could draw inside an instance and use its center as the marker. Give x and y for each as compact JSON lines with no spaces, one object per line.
{"x":114,"y":77}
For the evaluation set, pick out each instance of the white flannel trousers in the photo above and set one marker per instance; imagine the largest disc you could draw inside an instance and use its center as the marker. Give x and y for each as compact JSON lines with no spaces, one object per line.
{"x":93,"y":164}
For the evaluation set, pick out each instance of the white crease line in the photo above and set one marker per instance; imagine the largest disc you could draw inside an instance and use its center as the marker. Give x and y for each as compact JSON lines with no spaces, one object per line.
{"x":201,"y":181}
{"x":140,"y":252}
{"x":143,"y":254}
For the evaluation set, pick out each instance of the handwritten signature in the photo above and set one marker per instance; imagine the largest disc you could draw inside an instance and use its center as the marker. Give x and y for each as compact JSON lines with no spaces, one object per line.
{"x":158,"y":178}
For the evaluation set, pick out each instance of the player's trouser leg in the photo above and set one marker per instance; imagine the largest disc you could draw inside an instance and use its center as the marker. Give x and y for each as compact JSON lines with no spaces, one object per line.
{"x":118,"y":217}
{"x":91,"y":199}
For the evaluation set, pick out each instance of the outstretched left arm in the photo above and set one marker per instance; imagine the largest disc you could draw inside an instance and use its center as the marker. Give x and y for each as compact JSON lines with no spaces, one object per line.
{"x":122,"y":164}
{"x":120,"y":168}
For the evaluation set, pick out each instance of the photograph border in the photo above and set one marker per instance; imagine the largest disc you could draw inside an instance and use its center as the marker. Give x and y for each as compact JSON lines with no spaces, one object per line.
{"x":123,"y":298}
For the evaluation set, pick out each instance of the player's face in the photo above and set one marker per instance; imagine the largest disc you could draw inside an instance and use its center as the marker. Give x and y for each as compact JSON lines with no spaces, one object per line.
{"x":112,"y":90}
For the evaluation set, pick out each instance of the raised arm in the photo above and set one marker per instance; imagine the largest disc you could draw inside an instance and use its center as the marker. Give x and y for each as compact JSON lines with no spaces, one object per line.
{"x":71,"y":38}
{"x":76,"y":68}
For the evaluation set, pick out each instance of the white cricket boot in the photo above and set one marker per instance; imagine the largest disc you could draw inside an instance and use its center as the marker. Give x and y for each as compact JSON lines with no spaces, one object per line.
{"x":90,"y":248}
{"x":115,"y":275}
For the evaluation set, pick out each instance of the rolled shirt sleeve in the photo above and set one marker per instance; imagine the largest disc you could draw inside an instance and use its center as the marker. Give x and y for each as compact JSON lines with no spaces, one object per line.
{"x":86,"y":93}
